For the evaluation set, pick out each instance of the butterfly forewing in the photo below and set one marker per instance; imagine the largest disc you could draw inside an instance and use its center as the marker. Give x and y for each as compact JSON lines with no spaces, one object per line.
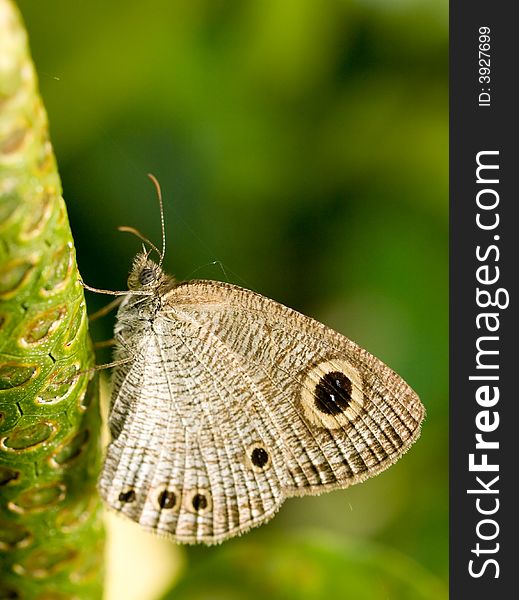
{"x":333,"y":436}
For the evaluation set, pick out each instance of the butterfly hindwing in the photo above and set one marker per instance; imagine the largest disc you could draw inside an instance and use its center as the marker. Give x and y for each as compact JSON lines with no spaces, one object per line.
{"x":192,"y":464}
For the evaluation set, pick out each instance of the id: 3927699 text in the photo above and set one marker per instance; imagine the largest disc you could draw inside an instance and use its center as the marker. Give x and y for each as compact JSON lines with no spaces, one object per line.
{"x":484,"y":67}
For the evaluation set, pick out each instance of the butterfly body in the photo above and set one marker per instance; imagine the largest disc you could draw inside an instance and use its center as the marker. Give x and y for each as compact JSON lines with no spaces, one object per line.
{"x":225,"y":403}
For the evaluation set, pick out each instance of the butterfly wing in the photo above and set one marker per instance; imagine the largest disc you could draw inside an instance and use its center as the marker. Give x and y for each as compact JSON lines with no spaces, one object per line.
{"x":235,"y":402}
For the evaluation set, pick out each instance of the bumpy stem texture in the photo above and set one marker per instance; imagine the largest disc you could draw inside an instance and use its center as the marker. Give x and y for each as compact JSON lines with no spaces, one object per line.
{"x":50,"y":530}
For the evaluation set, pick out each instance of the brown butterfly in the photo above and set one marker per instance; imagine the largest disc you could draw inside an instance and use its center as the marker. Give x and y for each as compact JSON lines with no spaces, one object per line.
{"x":225,"y":403}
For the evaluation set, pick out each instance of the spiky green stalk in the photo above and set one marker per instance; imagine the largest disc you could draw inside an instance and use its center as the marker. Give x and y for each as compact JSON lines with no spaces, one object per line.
{"x":50,"y":531}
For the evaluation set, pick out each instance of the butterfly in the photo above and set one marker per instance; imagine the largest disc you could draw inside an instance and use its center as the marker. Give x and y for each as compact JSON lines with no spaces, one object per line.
{"x":225,"y":403}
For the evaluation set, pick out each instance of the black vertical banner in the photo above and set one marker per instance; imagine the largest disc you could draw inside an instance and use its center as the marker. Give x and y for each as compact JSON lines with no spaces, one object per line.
{"x":484,"y":359}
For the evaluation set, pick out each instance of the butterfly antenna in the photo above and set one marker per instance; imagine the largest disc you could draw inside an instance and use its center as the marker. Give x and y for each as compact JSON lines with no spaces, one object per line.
{"x":159,"y":196}
{"x":137,"y":233}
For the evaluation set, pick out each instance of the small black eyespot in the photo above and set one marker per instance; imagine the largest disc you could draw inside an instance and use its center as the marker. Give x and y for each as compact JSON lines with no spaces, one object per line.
{"x":167,"y":499}
{"x":259,"y":457}
{"x":199,"y":502}
{"x":127,"y":497}
{"x":146,"y":276}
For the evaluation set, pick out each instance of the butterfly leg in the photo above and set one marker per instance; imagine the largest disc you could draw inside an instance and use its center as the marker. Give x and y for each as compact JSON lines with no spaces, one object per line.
{"x":104,"y":344}
{"x":106,"y":309}
{"x":118,"y":340}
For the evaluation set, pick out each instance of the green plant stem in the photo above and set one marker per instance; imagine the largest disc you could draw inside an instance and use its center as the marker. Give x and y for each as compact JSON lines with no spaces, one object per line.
{"x":51,"y":537}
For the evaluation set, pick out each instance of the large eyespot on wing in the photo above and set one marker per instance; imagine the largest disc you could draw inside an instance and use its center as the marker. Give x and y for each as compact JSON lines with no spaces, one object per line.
{"x":362,"y":418}
{"x":363,"y":415}
{"x":335,"y":393}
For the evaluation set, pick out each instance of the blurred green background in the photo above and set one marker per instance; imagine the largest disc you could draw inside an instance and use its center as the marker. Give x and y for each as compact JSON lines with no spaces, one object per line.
{"x":302,"y":151}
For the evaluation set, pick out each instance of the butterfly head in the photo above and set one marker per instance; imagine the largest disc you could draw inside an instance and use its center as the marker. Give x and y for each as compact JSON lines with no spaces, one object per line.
{"x":147,"y":275}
